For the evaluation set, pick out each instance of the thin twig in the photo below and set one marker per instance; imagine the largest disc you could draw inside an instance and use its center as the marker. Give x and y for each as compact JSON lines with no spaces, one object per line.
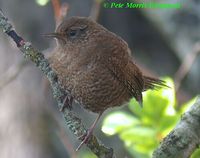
{"x":186,"y":65}
{"x":60,"y":11}
{"x":56,"y":8}
{"x":95,"y":10}
{"x":73,"y":122}
{"x":64,"y":10}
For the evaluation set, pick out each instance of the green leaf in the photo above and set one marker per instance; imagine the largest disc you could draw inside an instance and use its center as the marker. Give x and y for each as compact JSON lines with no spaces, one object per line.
{"x":141,"y":139}
{"x":136,"y":154}
{"x":136,"y":108}
{"x":196,"y":154}
{"x":118,"y":121}
{"x":169,"y":93}
{"x":167,"y":123}
{"x":142,"y":132}
{"x":86,"y":154}
{"x":156,"y":104}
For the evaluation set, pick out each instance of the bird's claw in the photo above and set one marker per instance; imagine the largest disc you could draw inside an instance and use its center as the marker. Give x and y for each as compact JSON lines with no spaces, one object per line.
{"x":67,"y":103}
{"x":85,"y":138}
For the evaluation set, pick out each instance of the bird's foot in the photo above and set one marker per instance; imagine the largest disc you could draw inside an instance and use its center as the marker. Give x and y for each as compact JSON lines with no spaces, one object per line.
{"x":67,"y":103}
{"x":85,"y":138}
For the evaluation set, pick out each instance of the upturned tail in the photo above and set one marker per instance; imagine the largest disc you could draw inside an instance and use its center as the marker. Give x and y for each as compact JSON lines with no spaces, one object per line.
{"x":153,"y":83}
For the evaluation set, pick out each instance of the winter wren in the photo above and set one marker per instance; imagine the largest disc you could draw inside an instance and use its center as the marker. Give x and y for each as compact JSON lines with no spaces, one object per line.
{"x":96,"y":67}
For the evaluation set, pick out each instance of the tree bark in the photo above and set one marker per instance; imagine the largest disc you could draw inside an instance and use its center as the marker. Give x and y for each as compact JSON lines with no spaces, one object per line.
{"x":184,"y":139}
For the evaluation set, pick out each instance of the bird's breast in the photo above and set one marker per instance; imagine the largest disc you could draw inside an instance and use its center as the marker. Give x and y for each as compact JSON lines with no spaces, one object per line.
{"x":91,"y":84}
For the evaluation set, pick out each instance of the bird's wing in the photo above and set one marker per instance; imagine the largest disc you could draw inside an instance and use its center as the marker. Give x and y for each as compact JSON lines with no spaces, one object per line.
{"x":118,"y":61}
{"x":130,"y":76}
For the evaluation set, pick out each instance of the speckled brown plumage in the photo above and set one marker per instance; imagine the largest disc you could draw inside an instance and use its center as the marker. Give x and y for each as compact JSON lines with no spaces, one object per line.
{"x":96,"y":67}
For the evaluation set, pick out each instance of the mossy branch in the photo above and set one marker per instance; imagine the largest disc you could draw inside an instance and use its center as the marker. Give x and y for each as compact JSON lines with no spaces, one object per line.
{"x":73,"y":122}
{"x":184,"y":139}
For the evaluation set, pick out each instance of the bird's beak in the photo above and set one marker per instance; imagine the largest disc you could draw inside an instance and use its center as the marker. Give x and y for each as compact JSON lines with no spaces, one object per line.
{"x":52,"y":35}
{"x":56,"y":35}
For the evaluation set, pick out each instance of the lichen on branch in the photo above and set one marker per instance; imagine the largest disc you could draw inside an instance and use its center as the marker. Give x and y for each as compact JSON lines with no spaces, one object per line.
{"x":184,"y":139}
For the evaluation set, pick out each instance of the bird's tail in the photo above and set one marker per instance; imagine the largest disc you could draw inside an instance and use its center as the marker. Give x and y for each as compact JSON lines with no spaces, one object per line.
{"x":153,"y":83}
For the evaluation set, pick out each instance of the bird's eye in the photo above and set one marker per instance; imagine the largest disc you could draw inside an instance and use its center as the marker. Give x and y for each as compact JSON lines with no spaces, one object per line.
{"x":73,"y":33}
{"x":76,"y":31}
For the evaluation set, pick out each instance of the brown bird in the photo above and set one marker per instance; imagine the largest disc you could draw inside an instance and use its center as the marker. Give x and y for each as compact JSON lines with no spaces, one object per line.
{"x":95,"y":66}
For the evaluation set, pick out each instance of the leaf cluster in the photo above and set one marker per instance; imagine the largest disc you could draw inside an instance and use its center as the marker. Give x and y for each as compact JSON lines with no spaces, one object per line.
{"x":142,"y":129}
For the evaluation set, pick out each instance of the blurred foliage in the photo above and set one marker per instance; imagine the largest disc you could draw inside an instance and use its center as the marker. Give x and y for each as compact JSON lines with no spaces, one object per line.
{"x":42,"y":2}
{"x":86,"y":154}
{"x":143,"y":129}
